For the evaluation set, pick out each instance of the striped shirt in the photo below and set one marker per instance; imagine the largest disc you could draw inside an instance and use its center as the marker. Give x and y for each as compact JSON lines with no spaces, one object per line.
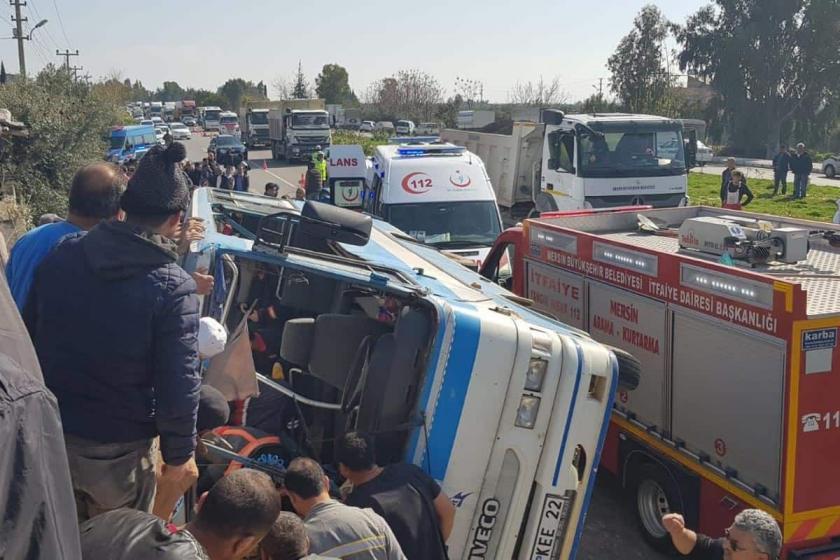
{"x":350,"y":533}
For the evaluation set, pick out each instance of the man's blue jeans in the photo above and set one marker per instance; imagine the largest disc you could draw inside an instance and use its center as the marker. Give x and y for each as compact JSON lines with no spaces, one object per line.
{"x":800,"y":185}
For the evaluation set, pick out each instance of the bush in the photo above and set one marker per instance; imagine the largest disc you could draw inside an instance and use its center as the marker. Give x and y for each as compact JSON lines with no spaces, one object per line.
{"x":368,"y":143}
{"x":68,"y":123}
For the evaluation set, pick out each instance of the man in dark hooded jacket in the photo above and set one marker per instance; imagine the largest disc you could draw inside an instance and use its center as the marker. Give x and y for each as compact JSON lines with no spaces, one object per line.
{"x":114,"y":321}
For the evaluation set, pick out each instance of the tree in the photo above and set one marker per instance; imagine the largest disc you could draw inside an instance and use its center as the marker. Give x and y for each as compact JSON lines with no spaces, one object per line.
{"x":640,"y":78}
{"x":471,"y":92}
{"x":333,"y":85}
{"x":66,"y":121}
{"x":538,"y":94}
{"x":770,"y":60}
{"x":447,"y":112}
{"x":301,"y":89}
{"x":237,"y":90}
{"x":170,"y":91}
{"x":409,"y":94}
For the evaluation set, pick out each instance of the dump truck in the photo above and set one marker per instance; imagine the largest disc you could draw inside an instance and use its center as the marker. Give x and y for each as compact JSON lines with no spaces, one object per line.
{"x":297,"y":127}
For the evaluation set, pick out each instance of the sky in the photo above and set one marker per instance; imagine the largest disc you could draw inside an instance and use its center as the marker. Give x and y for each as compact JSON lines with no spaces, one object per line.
{"x":203,"y":43}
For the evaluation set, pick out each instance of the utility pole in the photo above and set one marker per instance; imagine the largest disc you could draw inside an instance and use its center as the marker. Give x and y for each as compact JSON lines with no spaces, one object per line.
{"x":66,"y":54}
{"x":600,"y":87}
{"x":75,"y":70}
{"x":19,"y":34}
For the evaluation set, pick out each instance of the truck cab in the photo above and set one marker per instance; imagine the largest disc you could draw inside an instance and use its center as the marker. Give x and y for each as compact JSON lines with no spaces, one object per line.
{"x":256,"y":128}
{"x":229,"y":124}
{"x":607,"y":160}
{"x":505,"y":408}
{"x":437,"y":193}
{"x":296,"y":133}
{"x":211,"y":119}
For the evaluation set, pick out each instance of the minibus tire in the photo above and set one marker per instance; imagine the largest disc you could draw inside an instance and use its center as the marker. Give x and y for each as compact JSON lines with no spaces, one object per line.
{"x":629,"y":369}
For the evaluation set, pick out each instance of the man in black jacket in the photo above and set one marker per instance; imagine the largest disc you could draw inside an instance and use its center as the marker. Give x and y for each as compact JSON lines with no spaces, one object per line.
{"x":114,"y":320}
{"x":801,"y":165}
{"x":781,"y":166}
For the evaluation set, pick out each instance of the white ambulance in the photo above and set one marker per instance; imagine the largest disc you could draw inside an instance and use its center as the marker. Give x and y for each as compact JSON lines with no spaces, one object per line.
{"x":436,"y":192}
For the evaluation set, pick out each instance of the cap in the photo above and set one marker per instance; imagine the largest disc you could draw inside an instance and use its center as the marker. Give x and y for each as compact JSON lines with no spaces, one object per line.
{"x":212,"y":337}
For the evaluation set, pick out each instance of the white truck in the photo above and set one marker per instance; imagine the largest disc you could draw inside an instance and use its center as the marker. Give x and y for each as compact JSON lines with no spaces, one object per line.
{"x":297,"y":127}
{"x":570,"y":162}
{"x":210,"y":118}
{"x":156,"y":109}
{"x":253,"y":120}
{"x":169,"y":108}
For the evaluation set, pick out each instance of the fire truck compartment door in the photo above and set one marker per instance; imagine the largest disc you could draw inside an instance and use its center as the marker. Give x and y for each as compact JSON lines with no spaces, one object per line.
{"x":728,"y":389}
{"x":638,"y":325}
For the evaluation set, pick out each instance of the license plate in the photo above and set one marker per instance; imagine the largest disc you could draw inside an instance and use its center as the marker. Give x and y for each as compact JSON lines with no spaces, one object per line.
{"x":554,"y":518}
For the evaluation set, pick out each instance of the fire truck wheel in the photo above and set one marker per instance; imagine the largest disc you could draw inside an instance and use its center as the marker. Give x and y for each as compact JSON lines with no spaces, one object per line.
{"x":655,"y":493}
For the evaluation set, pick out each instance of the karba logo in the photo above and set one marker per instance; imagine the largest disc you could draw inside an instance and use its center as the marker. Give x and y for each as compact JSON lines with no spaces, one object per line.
{"x":417,"y":183}
{"x":460,"y":180}
{"x":344,"y":162}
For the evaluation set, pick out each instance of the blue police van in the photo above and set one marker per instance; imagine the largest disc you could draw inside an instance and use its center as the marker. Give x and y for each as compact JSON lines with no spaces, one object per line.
{"x":130,"y":143}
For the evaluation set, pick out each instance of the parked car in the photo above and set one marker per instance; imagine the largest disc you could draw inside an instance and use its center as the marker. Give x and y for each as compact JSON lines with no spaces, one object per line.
{"x":404,"y":128}
{"x":367,"y":126}
{"x":428,"y":129}
{"x":179,"y":131}
{"x":385,"y":126}
{"x":704,"y":154}
{"x":189,"y":121}
{"x":228,"y":150}
{"x":831,"y":166}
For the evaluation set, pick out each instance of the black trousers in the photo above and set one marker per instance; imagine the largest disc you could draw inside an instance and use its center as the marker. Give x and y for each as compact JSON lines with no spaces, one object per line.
{"x":780,"y":178}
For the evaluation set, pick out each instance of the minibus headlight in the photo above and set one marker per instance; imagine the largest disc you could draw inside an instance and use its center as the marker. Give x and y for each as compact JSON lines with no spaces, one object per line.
{"x":536,"y":374}
{"x":526,"y":414}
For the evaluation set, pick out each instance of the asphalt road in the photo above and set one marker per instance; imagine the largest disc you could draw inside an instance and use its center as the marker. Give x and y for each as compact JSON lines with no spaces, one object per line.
{"x":287,"y":176}
{"x":816,"y":178}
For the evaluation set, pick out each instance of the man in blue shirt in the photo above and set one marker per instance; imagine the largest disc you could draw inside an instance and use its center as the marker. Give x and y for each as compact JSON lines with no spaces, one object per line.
{"x":94,"y":196}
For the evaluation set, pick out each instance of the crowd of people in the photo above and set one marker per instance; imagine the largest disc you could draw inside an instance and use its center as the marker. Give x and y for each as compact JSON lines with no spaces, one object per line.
{"x":115,"y":322}
{"x":735,"y":194}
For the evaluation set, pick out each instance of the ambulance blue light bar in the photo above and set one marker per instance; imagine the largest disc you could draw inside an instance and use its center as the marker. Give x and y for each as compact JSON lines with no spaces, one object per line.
{"x":429,"y":150}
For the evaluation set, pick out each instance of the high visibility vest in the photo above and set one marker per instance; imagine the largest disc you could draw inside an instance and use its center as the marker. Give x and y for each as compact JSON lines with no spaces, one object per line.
{"x":321,"y":166}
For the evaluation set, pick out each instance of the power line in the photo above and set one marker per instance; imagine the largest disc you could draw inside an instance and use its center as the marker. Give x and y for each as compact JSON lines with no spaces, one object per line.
{"x":60,"y":22}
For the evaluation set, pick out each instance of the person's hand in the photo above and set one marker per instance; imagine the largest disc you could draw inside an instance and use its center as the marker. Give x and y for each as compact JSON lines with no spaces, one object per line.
{"x":172,"y":482}
{"x":673,"y":523}
{"x":204,"y":282}
{"x":180,"y":476}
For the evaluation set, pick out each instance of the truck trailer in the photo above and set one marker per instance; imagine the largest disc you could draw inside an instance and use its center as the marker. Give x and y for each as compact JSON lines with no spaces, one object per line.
{"x":734,"y":317}
{"x":569,"y":162}
{"x":297,"y":127}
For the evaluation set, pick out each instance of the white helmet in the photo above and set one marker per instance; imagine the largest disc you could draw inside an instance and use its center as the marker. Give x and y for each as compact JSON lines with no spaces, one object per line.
{"x":212,"y":337}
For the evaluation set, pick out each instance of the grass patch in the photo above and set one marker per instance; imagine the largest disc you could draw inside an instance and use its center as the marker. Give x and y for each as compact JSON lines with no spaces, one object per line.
{"x":819,"y":205}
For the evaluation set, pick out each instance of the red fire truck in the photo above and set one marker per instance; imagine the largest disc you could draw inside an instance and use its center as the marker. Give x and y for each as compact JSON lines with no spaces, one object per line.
{"x":734,"y":317}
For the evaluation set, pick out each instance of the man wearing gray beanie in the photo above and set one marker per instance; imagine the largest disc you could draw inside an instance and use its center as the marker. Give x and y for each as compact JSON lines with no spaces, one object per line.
{"x":115,"y":323}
